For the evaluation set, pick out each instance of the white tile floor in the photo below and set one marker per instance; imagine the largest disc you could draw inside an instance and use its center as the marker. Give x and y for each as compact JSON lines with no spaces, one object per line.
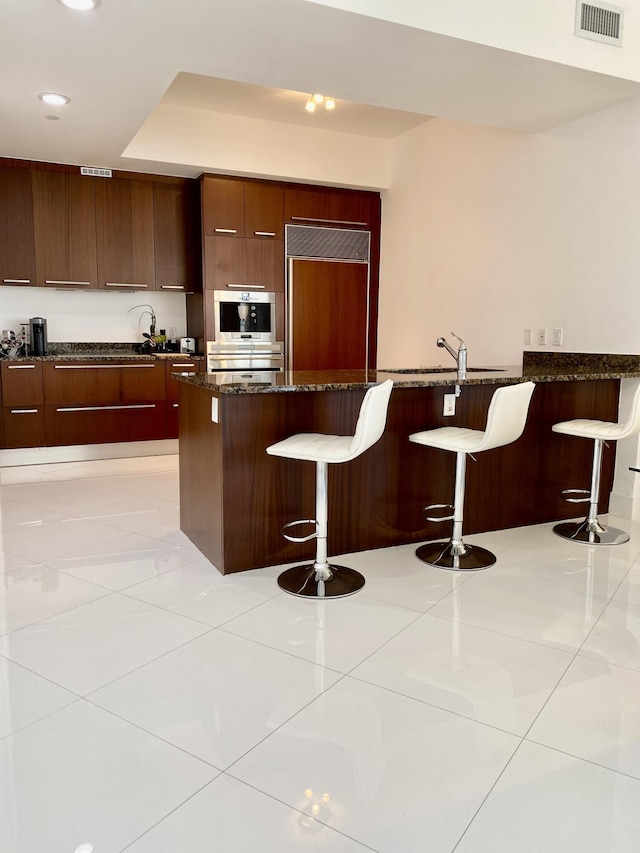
{"x":149,"y":704}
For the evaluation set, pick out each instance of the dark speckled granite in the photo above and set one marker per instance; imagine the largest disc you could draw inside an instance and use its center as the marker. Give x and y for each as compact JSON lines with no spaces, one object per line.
{"x":556,"y":367}
{"x":101,"y":351}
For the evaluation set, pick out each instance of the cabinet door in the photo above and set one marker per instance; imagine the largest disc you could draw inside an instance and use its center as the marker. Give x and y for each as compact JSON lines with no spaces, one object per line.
{"x":224,"y":262}
{"x":64,"y":229}
{"x":23,"y":426}
{"x":17,"y":256}
{"x":21,"y":383}
{"x":264,"y":264}
{"x":263,"y":210}
{"x":176,"y":241}
{"x":329,"y":316}
{"x":85,"y":384}
{"x":184,"y":367}
{"x":333,"y":207}
{"x":223,"y":206}
{"x":124,"y":221}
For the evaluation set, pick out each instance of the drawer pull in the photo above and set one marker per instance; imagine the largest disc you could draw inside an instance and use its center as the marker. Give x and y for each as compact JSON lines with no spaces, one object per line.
{"x":333,"y":221}
{"x":226,"y":230}
{"x":16,"y":280}
{"x":248,"y":287}
{"x":82,"y":283}
{"x":24,"y":411}
{"x":175,"y":405}
{"x":100,"y":366}
{"x":265,"y":233}
{"x":105,"y":408}
{"x":183,"y":364}
{"x":118,"y":284}
{"x":172,"y":287}
{"x":21,"y":367}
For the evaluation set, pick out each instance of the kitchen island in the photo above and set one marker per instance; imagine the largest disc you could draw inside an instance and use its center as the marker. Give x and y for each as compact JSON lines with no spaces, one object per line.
{"x":235,"y":498}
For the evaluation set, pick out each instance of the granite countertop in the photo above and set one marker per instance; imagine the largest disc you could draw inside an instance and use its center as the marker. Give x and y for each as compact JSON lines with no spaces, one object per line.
{"x":99,"y":351}
{"x":536,"y":367}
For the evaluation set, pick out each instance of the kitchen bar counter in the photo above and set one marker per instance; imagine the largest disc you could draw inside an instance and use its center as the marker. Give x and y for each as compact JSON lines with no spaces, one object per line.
{"x":235,"y":498}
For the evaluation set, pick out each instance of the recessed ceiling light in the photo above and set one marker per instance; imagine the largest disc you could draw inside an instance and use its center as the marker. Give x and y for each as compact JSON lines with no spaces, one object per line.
{"x":53,"y":118}
{"x":54,"y":99}
{"x":80,"y":5}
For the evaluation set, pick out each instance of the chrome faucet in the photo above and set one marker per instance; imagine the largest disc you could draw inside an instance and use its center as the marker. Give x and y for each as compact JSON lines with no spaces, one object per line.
{"x":460,"y":356}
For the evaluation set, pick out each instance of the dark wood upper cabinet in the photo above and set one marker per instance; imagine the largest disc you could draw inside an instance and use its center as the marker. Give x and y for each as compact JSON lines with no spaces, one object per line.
{"x":263,"y":210}
{"x":176,"y":237}
{"x":223,"y":206}
{"x":349,"y":208}
{"x":264,"y":263}
{"x":125,"y":229}
{"x":224,"y":262}
{"x":17,"y":255}
{"x":64,"y":229}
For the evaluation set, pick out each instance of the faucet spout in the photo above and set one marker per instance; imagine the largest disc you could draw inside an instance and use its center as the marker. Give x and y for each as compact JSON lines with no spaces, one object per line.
{"x":460,"y":356}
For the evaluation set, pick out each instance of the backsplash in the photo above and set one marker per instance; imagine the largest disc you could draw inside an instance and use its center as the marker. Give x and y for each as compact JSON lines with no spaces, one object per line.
{"x":89,"y":316}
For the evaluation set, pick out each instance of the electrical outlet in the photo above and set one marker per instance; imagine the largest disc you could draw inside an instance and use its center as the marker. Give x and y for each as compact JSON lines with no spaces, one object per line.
{"x":449,"y":405}
{"x":542,"y":337}
{"x":557,"y":337}
{"x":528,"y":339}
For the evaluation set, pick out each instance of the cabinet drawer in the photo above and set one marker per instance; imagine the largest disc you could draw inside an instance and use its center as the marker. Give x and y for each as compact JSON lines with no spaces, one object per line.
{"x":172,"y":419}
{"x":23,"y":426}
{"x":105,"y":423}
{"x":22,"y":383}
{"x":91,"y":384}
{"x":188,"y":367}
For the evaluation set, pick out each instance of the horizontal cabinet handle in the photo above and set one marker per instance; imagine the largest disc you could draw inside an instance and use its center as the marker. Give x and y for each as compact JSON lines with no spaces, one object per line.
{"x":119,"y":284}
{"x":248,"y":286}
{"x":182,"y":365}
{"x":172,"y":287}
{"x":99,"y":366}
{"x":334,"y":221}
{"x":82,"y":283}
{"x":226,"y":230}
{"x":24,"y":411}
{"x":105,"y":408}
{"x":16,"y":280}
{"x":21,"y":367}
{"x":265,"y":233}
{"x":175,"y":405}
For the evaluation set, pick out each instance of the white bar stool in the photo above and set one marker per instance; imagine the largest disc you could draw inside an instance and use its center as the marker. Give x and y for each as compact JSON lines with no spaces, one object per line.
{"x":506,"y":420}
{"x":591,"y":531}
{"x":321,"y":579}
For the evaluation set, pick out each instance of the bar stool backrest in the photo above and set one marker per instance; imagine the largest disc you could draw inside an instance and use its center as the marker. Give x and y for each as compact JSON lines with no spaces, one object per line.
{"x":632,"y":423}
{"x":507,"y":415}
{"x":371,"y":420}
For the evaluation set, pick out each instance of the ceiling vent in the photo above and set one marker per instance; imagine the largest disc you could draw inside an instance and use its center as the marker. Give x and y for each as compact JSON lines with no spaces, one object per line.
{"x":600,"y":22}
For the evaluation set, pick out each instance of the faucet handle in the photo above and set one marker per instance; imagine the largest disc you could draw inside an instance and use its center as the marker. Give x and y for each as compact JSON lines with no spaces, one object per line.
{"x":462,"y":343}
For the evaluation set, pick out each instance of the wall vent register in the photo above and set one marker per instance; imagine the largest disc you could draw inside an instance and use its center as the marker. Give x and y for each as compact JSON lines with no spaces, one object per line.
{"x":338,"y":244}
{"x":600,"y":22}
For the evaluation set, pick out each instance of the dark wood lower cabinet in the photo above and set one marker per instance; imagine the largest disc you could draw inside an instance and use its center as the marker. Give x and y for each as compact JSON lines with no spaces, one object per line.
{"x":235,"y":498}
{"x":23,"y":426}
{"x":104,"y":424}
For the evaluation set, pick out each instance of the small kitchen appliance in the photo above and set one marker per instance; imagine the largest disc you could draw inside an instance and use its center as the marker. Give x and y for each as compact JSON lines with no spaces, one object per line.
{"x":38,"y":336}
{"x":188,"y":345}
{"x":244,"y":316}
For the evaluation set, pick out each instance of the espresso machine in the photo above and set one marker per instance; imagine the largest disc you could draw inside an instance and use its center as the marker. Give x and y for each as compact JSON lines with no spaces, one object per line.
{"x":38,"y":336}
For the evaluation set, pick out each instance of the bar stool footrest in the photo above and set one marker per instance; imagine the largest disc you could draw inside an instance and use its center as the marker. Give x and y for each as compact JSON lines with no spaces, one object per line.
{"x":439,"y":517}
{"x":585,"y":496}
{"x":308,"y":538}
{"x":446,"y":555}
{"x":304,"y":582}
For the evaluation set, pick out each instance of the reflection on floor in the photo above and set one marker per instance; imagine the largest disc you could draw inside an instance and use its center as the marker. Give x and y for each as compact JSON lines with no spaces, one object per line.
{"x":149,"y":704}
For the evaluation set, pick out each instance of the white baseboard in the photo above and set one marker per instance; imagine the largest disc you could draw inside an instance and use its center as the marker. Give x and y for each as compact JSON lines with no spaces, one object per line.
{"x":86,"y":452}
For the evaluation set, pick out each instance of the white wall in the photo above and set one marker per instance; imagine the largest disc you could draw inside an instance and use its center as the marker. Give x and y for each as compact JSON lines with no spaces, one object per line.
{"x":90,"y":316}
{"x":487,"y":232}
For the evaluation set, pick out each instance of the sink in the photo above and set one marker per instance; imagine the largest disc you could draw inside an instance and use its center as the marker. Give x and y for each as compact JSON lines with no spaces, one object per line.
{"x":423,"y":370}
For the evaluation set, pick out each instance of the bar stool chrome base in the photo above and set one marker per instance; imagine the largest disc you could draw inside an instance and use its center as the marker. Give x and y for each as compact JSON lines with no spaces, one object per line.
{"x":590,"y":533}
{"x":307,"y":582}
{"x":445,"y":555}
